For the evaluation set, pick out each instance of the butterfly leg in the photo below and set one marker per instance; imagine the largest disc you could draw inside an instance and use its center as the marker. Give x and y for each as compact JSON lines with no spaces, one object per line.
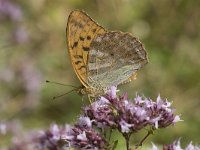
{"x":90,"y":99}
{"x":82,"y":98}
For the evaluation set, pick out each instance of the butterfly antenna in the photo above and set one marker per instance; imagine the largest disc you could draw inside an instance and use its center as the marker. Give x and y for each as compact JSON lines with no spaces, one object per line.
{"x":47,"y":81}
{"x":55,"y":97}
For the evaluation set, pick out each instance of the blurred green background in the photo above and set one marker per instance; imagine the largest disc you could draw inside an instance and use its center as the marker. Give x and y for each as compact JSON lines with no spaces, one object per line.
{"x":33,"y":49}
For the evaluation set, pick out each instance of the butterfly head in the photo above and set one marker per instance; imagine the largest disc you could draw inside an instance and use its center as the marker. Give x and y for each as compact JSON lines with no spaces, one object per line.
{"x":89,"y":91}
{"x":82,"y":91}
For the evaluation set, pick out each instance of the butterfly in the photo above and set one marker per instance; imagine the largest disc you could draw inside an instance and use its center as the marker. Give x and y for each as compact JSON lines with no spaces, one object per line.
{"x":101,"y":58}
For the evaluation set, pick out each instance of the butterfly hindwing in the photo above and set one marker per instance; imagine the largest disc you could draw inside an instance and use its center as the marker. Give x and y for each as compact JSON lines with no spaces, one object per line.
{"x":114,"y":58}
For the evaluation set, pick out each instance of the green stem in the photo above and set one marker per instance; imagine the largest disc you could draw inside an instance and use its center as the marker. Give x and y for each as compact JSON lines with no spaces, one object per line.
{"x":127,"y":138}
{"x":141,"y":142}
{"x":110,"y":135}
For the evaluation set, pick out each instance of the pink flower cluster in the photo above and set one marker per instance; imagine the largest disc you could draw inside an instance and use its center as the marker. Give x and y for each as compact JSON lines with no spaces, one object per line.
{"x":106,"y":112}
{"x":130,"y":115}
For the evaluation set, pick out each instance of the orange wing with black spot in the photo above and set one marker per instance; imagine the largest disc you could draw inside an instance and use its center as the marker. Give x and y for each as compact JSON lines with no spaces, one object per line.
{"x":81,"y":30}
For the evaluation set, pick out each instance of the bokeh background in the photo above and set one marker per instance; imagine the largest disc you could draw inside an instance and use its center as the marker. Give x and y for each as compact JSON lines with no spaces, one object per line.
{"x":33,"y":49}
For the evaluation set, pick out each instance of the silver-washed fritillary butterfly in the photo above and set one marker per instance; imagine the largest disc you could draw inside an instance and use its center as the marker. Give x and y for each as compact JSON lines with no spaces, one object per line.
{"x":102,"y":58}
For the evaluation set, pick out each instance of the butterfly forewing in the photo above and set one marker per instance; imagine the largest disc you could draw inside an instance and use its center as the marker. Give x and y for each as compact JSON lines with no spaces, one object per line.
{"x":81,"y":29}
